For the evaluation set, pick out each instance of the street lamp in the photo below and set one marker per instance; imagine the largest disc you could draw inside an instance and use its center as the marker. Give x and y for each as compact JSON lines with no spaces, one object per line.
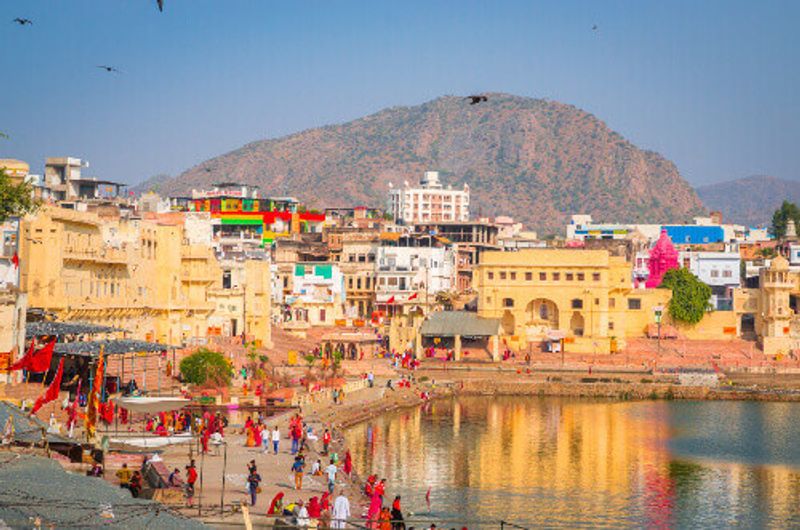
{"x":658,"y":311}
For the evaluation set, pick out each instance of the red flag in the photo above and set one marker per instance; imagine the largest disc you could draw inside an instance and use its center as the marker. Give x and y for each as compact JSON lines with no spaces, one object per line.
{"x":24,"y":361}
{"x":15,"y":260}
{"x":94,"y":398}
{"x":390,"y":300}
{"x":40,"y":362}
{"x":413,"y":296}
{"x":51,"y":393}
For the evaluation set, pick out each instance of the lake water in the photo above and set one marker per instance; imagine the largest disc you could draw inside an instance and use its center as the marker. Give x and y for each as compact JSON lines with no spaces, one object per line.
{"x":569,"y":463}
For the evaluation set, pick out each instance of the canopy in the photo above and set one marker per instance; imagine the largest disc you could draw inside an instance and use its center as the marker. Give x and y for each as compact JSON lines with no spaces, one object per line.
{"x":40,"y":329}
{"x":109,"y":347}
{"x":153,"y":442}
{"x":464,"y":323}
{"x":151,"y":405}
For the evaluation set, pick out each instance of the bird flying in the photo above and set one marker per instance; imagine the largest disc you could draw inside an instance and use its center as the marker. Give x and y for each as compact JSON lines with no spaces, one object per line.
{"x":23,"y":21}
{"x":4,"y":135}
{"x":160,"y":5}
{"x":474,"y":100}
{"x":594,"y":27}
{"x":109,"y":69}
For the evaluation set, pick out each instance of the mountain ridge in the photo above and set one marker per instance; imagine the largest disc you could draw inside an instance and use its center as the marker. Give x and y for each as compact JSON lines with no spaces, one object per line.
{"x":534,"y":159}
{"x":750,"y":200}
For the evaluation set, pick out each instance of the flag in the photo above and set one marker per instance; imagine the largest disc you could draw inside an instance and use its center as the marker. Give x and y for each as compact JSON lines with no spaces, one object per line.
{"x":36,"y":361}
{"x":390,"y":300}
{"x":413,"y":296}
{"x":428,"y":498}
{"x":52,"y":391}
{"x":15,"y":260}
{"x":94,"y":397}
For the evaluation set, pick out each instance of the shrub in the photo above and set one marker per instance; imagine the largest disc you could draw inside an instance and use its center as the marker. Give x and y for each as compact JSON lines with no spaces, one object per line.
{"x":206,"y":367}
{"x":690,"y":296}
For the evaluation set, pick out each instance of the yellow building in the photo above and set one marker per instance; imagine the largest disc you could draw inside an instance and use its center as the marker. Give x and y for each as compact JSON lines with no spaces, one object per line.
{"x":585,"y":296}
{"x":141,"y":276}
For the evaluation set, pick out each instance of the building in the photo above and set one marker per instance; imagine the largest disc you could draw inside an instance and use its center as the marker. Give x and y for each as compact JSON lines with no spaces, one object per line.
{"x":411,"y":270}
{"x":62,"y":177}
{"x":317,"y":295}
{"x":140,"y":275}
{"x":428,"y":203}
{"x":583,"y":297}
{"x":719,"y":270}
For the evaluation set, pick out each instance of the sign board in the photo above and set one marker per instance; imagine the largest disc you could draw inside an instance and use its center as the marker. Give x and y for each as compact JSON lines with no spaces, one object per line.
{"x":658,"y":311}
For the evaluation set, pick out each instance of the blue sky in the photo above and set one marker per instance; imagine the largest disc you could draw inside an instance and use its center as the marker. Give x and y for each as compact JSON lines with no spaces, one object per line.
{"x":712,"y":85}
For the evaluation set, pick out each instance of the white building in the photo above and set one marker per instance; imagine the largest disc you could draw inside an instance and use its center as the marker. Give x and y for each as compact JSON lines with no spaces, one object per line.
{"x":429,"y":203}
{"x":403,"y":272}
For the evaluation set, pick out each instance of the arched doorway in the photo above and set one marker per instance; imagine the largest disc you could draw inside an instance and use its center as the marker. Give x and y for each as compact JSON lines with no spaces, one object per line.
{"x":576,"y":324}
{"x":508,"y":323}
{"x":542,"y":312}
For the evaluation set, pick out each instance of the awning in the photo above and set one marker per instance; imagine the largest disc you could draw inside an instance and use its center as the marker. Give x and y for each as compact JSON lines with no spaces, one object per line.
{"x":463,"y":323}
{"x":109,"y":347}
{"x":555,"y":334}
{"x":151,"y":405}
{"x":154,"y":442}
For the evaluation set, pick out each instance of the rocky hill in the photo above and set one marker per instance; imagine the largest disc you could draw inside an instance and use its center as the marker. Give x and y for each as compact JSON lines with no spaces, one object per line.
{"x":750,"y":200}
{"x":536,"y":160}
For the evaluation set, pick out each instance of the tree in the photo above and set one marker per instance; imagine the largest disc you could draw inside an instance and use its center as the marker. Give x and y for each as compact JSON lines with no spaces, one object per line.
{"x":780,"y":219}
{"x":206,"y":366}
{"x":15,"y":199}
{"x":689,"y":296}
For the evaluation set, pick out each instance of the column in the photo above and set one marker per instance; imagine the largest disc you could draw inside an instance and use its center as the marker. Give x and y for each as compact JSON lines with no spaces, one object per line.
{"x":494,"y":342}
{"x":457,"y":347}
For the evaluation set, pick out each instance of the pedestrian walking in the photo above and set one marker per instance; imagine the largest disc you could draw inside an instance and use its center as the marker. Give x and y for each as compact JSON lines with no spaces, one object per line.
{"x":297,"y":468}
{"x":276,"y":439}
{"x":253,"y":485}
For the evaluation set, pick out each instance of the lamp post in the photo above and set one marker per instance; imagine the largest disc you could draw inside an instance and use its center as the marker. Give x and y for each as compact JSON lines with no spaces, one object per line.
{"x":658,"y":311}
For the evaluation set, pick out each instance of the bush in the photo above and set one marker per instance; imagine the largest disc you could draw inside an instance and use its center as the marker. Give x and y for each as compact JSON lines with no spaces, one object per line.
{"x":206,"y":367}
{"x":690,"y":296}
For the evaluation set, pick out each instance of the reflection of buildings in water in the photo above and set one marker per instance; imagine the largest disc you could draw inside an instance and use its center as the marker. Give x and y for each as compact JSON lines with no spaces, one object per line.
{"x":612,"y":455}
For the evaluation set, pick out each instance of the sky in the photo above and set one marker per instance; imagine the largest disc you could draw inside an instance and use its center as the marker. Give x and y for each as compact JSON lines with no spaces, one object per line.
{"x":711,"y":85}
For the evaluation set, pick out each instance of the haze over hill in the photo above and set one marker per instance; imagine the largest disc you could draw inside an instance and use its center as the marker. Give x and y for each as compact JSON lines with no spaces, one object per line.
{"x":750,"y":200}
{"x":537,"y":160}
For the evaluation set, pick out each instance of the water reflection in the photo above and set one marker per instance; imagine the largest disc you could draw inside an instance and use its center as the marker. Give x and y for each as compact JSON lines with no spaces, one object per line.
{"x":575,"y":463}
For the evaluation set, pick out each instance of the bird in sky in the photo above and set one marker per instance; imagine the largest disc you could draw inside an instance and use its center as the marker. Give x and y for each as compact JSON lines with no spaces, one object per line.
{"x":4,"y":135}
{"x":109,"y":69}
{"x":474,"y":100}
{"x":160,"y":5}
{"x":23,"y":21}
{"x":594,"y":27}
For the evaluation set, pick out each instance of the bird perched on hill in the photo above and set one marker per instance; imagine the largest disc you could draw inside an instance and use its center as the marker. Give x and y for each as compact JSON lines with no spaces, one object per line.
{"x":109,"y":69}
{"x":23,"y":21}
{"x":160,"y":5}
{"x":474,"y":100}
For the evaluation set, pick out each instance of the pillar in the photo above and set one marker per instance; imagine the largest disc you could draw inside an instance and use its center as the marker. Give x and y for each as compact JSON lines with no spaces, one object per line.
{"x":417,"y":345}
{"x":457,"y":347}
{"x":494,"y":341}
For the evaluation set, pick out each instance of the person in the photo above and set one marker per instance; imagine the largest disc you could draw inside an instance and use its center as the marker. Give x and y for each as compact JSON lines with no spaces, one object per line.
{"x":124,"y":475}
{"x":374,"y":512}
{"x":302,"y":515}
{"x":174,"y":477}
{"x":326,"y":441}
{"x":348,"y":463}
{"x":369,"y":486}
{"x":380,"y":488}
{"x":276,"y":506}
{"x":385,"y":519}
{"x":297,"y":468}
{"x":96,"y":471}
{"x":253,"y":481}
{"x":397,"y":515}
{"x":276,"y":439}
{"x":341,"y":511}
{"x":251,"y":466}
{"x":314,"y":508}
{"x":191,"y":478}
{"x":316,"y":468}
{"x":135,"y":484}
{"x":371,"y":379}
{"x":331,"y":471}
{"x":296,"y":433}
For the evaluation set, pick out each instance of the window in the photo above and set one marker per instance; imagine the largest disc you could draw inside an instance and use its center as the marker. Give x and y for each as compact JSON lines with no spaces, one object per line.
{"x":508,"y":302}
{"x":513,"y":275}
{"x":727,"y":274}
{"x":503,"y":275}
{"x":568,"y":276}
{"x":634,"y":303}
{"x":543,"y":312}
{"x":556,"y":276}
{"x":596,"y":301}
{"x":612,"y":302}
{"x":542,"y":276}
{"x":577,"y":303}
{"x":596,"y":276}
{"x":226,"y":279}
{"x":490,"y":275}
{"x":610,"y":326}
{"x":581,"y":276}
{"x":715,"y":274}
{"x":528,"y":276}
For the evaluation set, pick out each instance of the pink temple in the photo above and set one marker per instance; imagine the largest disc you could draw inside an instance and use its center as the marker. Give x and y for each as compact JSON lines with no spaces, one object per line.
{"x":663,"y":257}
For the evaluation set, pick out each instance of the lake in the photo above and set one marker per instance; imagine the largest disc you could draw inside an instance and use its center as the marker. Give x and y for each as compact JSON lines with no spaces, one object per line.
{"x":572,"y":463}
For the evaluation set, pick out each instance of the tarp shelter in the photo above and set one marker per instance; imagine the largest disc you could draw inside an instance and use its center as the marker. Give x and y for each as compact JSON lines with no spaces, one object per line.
{"x":458,"y":324}
{"x":36,"y":487}
{"x":152,"y":405}
{"x":60,"y":329}
{"x":31,"y":430}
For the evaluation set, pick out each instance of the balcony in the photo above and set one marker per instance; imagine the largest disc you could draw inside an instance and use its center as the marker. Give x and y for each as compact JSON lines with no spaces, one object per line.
{"x":106,"y":255}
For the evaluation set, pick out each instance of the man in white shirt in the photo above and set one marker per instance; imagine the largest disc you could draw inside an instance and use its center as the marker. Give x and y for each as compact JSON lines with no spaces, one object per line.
{"x":276,"y":439}
{"x":331,"y":471}
{"x":341,"y":511}
{"x":302,"y":515}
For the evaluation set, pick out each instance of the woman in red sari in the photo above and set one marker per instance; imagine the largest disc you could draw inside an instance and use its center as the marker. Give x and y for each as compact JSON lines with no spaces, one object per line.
{"x":276,"y":506}
{"x":314,"y":508}
{"x":348,"y":463}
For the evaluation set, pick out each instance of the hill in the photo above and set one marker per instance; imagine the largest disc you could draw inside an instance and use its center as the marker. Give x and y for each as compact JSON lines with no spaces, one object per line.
{"x":537,"y":160}
{"x":751,"y":200}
